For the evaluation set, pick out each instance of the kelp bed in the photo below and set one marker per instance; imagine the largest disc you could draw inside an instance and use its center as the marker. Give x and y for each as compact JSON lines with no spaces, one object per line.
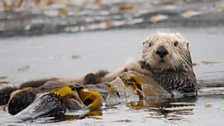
{"x":72,"y":102}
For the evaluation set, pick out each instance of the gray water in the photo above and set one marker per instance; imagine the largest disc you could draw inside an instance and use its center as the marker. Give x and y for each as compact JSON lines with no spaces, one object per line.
{"x":73,"y":55}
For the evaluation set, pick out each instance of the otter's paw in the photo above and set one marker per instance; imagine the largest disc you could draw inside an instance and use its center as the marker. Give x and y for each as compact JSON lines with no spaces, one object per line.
{"x":134,"y":65}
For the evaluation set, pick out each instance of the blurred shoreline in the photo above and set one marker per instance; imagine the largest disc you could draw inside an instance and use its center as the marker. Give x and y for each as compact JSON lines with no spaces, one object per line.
{"x":26,"y":18}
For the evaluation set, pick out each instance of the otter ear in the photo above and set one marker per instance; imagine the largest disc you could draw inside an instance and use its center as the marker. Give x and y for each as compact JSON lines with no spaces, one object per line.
{"x":187,"y":45}
{"x":144,"y":42}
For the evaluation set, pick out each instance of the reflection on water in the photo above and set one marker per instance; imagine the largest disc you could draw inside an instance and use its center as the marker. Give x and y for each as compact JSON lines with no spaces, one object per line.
{"x":169,"y":109}
{"x":152,"y":111}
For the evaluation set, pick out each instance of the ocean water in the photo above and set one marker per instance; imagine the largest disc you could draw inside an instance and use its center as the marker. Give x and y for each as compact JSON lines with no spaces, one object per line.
{"x":73,"y":55}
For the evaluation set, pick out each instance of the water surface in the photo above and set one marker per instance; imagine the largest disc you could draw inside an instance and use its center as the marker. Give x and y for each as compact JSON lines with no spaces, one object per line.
{"x":73,"y":55}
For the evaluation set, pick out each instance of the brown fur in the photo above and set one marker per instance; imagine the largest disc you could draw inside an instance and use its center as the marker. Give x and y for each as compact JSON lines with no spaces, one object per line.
{"x":5,"y":94}
{"x":36,"y":83}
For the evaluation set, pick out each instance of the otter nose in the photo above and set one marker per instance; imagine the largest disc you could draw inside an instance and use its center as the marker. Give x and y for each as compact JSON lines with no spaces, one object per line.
{"x":161,"y":51}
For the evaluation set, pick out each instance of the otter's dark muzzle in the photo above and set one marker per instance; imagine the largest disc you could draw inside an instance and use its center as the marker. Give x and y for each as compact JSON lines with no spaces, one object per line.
{"x":162,"y":51}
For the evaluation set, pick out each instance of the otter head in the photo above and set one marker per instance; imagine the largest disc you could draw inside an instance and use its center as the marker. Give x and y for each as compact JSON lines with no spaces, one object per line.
{"x":166,"y":51}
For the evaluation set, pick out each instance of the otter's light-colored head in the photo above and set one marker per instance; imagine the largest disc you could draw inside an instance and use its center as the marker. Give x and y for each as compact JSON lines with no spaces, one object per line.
{"x":164,"y":51}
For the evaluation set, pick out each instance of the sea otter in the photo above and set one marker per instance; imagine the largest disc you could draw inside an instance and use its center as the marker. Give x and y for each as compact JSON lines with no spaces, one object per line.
{"x":165,"y":58}
{"x":168,"y":57}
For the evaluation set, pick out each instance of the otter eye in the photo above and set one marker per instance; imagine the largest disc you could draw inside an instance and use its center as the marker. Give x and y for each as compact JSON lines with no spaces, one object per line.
{"x":175,"y":43}
{"x":150,"y":44}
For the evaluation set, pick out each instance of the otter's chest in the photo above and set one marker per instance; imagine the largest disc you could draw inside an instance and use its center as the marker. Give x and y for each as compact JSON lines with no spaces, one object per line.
{"x":175,"y":81}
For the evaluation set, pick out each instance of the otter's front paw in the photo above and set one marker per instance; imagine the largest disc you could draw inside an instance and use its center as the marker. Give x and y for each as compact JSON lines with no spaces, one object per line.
{"x":136,"y":66}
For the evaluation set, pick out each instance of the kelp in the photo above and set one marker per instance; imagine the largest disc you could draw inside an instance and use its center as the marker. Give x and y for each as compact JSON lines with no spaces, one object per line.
{"x":57,"y":103}
{"x":20,"y":99}
{"x":131,"y":86}
{"x":128,"y":87}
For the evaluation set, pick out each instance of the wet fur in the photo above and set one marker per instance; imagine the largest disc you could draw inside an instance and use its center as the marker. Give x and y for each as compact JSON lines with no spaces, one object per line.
{"x":36,"y":83}
{"x":94,"y":78}
{"x":175,"y":72}
{"x":5,"y":94}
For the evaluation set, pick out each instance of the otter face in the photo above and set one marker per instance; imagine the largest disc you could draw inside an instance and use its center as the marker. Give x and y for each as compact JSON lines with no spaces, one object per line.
{"x":164,"y":51}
